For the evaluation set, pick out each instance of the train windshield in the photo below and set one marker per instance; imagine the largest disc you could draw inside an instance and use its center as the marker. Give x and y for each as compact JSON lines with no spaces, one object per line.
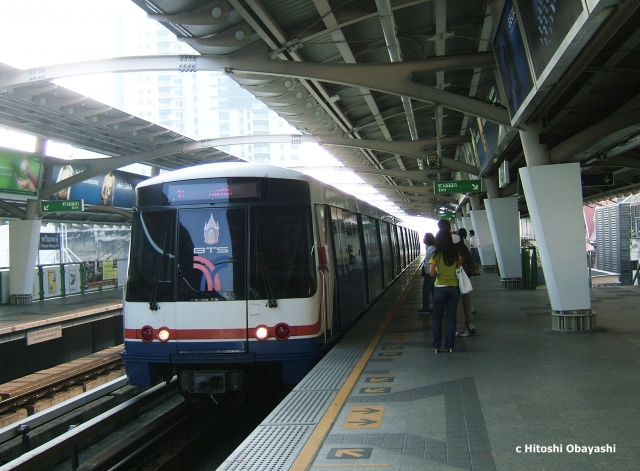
{"x":152,"y":259}
{"x":212,"y":251}
{"x":208,"y":261}
{"x":282,"y":258}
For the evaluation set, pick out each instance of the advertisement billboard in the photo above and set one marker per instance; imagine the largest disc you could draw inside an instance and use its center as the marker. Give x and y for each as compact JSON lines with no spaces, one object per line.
{"x":546,"y":24}
{"x":485,"y":134}
{"x":115,"y":188}
{"x":511,"y":57}
{"x":19,"y":173}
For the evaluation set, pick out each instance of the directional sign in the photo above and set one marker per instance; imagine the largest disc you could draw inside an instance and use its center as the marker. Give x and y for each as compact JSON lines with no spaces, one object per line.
{"x":445,"y":215}
{"x":459,"y":186}
{"x":364,"y":417}
{"x":60,"y":206}
{"x":350,"y":453}
{"x":379,"y":379}
{"x":597,"y":179}
{"x":375,"y":390}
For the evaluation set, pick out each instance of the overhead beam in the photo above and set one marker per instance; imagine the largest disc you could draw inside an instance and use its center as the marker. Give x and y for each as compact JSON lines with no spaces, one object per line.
{"x":393,"y":78}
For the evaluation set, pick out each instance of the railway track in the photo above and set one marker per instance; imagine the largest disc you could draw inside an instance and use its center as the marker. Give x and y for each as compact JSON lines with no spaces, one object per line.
{"x":33,"y":393}
{"x":116,"y":426}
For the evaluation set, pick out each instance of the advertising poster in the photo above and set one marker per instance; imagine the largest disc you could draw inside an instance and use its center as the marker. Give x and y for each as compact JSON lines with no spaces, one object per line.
{"x":74,"y":286}
{"x":109,"y":269}
{"x":511,"y":58}
{"x":94,"y":275}
{"x":485,"y":134}
{"x":19,"y":173}
{"x":546,"y":24}
{"x":115,"y":188}
{"x":52,"y":283}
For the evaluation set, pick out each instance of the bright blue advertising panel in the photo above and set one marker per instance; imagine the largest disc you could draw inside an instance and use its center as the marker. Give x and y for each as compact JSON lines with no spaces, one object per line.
{"x":115,"y":188}
{"x":546,"y":24}
{"x":485,"y":133}
{"x":511,"y":57}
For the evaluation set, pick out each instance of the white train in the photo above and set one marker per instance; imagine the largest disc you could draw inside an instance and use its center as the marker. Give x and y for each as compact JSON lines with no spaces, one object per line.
{"x":240,"y":273}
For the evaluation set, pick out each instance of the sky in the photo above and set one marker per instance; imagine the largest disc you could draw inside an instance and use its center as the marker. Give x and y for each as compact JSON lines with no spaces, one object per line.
{"x":45,"y":32}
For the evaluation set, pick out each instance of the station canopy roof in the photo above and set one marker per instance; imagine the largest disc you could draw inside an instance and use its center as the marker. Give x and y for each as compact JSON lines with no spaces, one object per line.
{"x":403,"y":115}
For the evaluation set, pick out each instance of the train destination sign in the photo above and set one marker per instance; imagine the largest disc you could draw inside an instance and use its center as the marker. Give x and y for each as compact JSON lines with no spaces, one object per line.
{"x":459,"y":186}
{"x":61,"y":206}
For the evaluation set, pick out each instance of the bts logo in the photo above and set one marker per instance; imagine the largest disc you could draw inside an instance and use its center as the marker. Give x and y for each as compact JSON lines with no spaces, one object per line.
{"x":211,"y":231}
{"x":207,"y":268}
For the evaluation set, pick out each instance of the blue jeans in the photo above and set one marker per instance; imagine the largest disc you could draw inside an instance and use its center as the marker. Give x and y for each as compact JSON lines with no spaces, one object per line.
{"x":427,"y":291}
{"x":445,"y":300}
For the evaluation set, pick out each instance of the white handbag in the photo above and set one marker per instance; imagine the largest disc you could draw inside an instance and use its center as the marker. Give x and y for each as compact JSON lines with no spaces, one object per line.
{"x":464,"y":283}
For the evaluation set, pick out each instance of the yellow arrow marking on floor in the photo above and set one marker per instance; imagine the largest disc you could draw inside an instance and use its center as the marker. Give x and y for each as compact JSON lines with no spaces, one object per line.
{"x":364,"y":417}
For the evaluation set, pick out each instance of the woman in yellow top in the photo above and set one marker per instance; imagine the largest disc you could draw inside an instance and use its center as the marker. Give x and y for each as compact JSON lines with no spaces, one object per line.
{"x":442,"y":265}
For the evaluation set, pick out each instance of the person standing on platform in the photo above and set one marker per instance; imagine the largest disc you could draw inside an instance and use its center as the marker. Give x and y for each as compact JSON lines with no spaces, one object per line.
{"x":474,"y":242}
{"x":442,"y":266}
{"x":469,"y":267}
{"x":427,"y":283}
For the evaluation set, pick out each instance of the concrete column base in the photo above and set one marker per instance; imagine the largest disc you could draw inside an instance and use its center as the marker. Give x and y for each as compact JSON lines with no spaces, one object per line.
{"x":20,"y":299}
{"x":489,"y":268}
{"x":512,"y":283}
{"x":573,"y":321}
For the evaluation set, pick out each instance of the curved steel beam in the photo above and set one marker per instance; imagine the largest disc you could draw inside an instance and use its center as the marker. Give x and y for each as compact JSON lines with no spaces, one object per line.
{"x":393,"y":78}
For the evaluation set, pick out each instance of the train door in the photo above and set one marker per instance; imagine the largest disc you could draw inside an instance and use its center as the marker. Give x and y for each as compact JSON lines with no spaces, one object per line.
{"x":212,"y":301}
{"x":326,"y":269}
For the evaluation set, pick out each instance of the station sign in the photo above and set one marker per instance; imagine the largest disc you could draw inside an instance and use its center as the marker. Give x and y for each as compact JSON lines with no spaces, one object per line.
{"x":458,"y":186}
{"x":597,"y":179}
{"x":61,"y":206}
{"x":445,"y":215}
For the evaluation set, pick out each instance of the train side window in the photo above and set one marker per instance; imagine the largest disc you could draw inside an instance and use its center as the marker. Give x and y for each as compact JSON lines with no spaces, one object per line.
{"x":152,"y":258}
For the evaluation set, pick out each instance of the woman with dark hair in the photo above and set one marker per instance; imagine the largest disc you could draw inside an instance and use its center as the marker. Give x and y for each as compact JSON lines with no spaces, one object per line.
{"x":442,"y":266}
{"x":427,"y":283}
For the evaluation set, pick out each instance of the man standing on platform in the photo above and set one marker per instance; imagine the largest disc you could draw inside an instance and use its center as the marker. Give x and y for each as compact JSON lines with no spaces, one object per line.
{"x":474,"y":242}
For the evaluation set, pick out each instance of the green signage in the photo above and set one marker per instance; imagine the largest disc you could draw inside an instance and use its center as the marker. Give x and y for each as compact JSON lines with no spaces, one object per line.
{"x":60,"y":206}
{"x":459,"y":186}
{"x":445,"y":215}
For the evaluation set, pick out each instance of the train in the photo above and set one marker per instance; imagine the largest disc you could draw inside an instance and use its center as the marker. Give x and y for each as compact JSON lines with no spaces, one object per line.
{"x":241,"y":273}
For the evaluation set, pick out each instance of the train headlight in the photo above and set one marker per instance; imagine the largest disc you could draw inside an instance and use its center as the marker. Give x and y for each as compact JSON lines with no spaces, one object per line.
{"x":147,"y":333}
{"x":163,"y":334}
{"x":262,"y":332}
{"x":282,"y":331}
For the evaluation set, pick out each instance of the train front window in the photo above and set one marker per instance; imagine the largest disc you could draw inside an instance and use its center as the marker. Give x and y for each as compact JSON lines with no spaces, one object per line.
{"x":152,"y":259}
{"x":211,"y":254}
{"x":282,"y":257}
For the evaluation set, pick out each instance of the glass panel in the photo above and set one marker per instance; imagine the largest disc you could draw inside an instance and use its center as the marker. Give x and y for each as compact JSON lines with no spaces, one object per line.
{"x":374,"y":261}
{"x":282,"y":253}
{"x":387,"y":260}
{"x":152,"y":258}
{"x":351,"y":289}
{"x":211,"y":258}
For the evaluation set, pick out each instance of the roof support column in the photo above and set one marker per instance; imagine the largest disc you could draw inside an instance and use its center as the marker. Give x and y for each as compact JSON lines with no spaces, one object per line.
{"x":483,"y":232}
{"x":504,"y":223}
{"x":554,"y":198}
{"x":24,"y":237}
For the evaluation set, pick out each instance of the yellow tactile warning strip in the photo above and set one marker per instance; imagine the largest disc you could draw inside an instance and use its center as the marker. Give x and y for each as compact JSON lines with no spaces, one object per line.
{"x":314,"y":443}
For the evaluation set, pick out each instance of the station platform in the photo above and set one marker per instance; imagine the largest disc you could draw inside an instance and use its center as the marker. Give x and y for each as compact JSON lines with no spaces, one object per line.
{"x":515,"y":396}
{"x":48,"y":333}
{"x":16,"y":321}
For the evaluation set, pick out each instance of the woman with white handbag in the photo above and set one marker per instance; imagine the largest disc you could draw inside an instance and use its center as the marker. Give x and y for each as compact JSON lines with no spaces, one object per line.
{"x":442,"y":266}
